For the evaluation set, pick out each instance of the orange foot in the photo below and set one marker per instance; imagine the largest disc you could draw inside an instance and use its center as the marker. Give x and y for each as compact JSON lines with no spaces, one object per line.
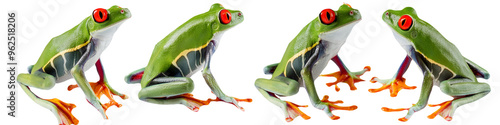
{"x":403,"y":119}
{"x":444,"y":110}
{"x":332,"y":106}
{"x":394,"y":85}
{"x":100,"y":89}
{"x":347,"y":77}
{"x":293,"y":111}
{"x":193,"y":103}
{"x":64,"y":111}
{"x":236,"y":99}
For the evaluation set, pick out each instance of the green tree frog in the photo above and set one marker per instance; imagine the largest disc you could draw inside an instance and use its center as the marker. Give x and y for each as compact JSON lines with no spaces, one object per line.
{"x":69,"y":55}
{"x":183,"y":52}
{"x":441,"y":62}
{"x":305,"y":58}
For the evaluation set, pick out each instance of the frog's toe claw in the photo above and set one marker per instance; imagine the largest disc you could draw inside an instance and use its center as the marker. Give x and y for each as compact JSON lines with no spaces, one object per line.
{"x":444,"y":111}
{"x":347,"y":77}
{"x":293,"y":111}
{"x":394,"y":85}
{"x":64,"y":111}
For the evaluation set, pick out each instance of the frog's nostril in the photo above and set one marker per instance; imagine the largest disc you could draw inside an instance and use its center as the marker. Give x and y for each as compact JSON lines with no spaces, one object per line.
{"x":239,"y":14}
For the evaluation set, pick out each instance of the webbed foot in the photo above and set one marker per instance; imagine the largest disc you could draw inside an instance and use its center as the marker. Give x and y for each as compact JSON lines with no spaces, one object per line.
{"x":99,"y":88}
{"x":348,"y":77}
{"x":293,"y":111}
{"x":64,"y":111}
{"x":329,"y":106}
{"x":394,"y":85}
{"x":444,"y":111}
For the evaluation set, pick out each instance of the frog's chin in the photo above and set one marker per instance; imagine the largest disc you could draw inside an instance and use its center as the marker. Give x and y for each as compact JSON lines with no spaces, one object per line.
{"x":403,"y":41}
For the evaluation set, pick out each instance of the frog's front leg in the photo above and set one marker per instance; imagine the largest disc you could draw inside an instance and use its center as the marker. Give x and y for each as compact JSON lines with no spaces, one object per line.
{"x":323,"y":104}
{"x":102,"y":87}
{"x":79,"y":76}
{"x":171,"y":90}
{"x":422,"y":101}
{"x":282,"y":86}
{"x":43,"y":80}
{"x":210,"y":80}
{"x":463,"y":91}
{"x":344,"y":75}
{"x":397,"y":82}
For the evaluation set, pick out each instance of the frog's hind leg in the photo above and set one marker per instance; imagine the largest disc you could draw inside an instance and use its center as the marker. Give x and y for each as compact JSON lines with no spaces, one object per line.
{"x":172,"y":90}
{"x":284,"y":87}
{"x":464,"y":91}
{"x":42,"y":80}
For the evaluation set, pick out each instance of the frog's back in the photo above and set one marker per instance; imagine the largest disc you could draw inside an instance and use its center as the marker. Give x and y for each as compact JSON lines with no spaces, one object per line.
{"x":179,"y":54}
{"x":298,"y":52}
{"x":441,"y":53}
{"x":63,"y":51}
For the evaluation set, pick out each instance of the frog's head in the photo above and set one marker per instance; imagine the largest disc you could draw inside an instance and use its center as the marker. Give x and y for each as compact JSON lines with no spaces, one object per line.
{"x":223,"y":19}
{"x":335,"y":26}
{"x":103,"y":22}
{"x":404,"y":24}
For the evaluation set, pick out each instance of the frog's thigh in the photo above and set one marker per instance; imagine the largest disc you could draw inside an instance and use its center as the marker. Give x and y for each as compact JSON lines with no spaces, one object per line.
{"x":279,"y":85}
{"x":463,"y":87}
{"x":37,"y":79}
{"x":167,"y":86}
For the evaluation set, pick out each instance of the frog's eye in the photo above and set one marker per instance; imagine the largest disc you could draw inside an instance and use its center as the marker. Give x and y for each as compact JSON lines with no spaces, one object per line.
{"x":405,"y":22}
{"x":224,"y":16}
{"x":327,"y":16}
{"x":100,"y":15}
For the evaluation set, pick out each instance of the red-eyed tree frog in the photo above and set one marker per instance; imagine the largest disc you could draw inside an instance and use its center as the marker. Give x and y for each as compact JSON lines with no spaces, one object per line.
{"x":69,"y":55}
{"x":183,"y":52}
{"x":441,"y":63}
{"x":305,"y":58}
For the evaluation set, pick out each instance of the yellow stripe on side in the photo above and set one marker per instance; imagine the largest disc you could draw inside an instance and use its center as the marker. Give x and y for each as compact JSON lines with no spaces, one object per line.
{"x":65,"y":51}
{"x":299,"y":54}
{"x":434,"y":62}
{"x":185,"y":52}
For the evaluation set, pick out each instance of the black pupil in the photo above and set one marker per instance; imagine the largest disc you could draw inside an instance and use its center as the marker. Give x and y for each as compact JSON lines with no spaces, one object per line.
{"x":100,"y":14}
{"x":403,"y":21}
{"x":227,"y":16}
{"x":328,"y":15}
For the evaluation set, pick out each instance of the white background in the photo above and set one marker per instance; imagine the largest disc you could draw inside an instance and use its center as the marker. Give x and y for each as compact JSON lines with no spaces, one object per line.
{"x":260,"y":40}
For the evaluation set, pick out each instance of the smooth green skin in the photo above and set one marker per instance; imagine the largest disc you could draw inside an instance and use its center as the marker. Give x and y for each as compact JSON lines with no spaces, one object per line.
{"x":72,"y":38}
{"x":307,"y":37}
{"x":195,"y":33}
{"x":427,"y":41}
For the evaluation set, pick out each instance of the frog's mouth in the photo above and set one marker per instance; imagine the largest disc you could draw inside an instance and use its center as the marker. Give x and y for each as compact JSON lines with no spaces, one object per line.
{"x":339,"y":35}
